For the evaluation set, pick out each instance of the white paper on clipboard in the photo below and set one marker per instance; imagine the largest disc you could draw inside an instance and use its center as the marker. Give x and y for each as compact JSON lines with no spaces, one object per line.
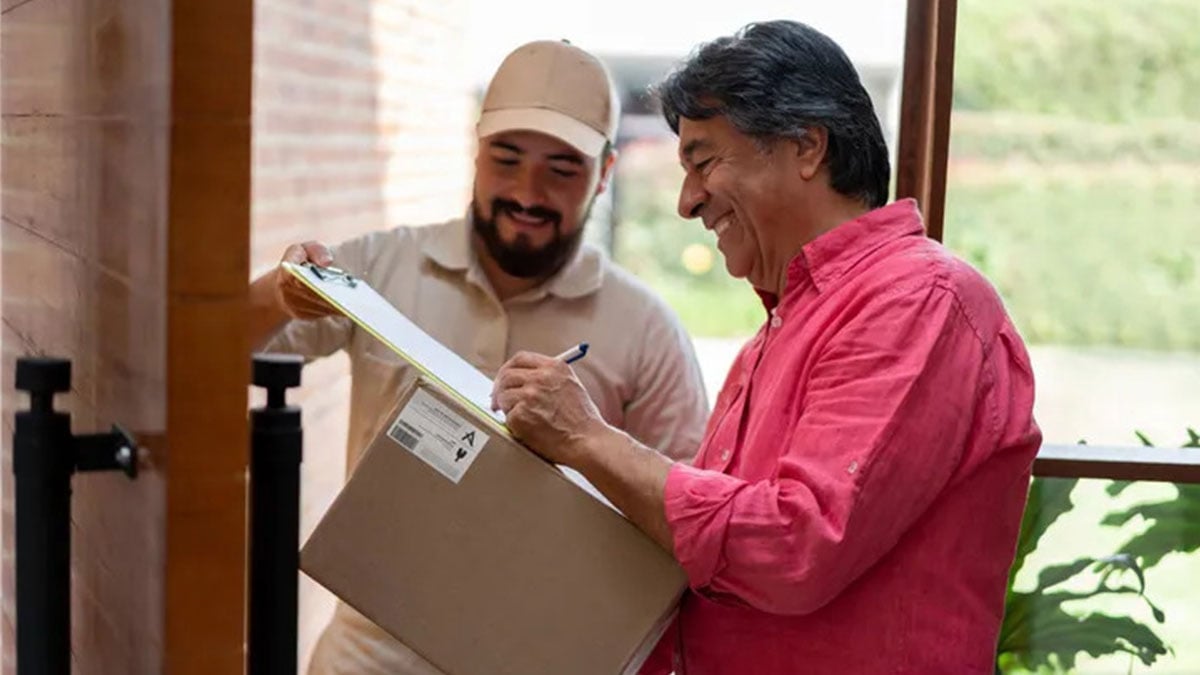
{"x":367,"y":308}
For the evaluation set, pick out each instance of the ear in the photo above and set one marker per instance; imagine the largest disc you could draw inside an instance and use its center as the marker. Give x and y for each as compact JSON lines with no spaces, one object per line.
{"x":810,"y":151}
{"x":606,"y":171}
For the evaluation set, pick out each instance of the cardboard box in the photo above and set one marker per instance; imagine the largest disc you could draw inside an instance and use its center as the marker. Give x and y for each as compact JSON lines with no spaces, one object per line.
{"x":486,"y":559}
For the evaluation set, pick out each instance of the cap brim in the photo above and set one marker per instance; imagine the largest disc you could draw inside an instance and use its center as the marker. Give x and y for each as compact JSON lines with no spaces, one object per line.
{"x":551,"y":122}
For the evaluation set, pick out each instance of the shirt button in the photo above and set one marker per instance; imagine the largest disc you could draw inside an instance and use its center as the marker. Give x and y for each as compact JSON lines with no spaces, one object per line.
{"x":725,"y":455}
{"x":853,"y":467}
{"x":776,"y":322}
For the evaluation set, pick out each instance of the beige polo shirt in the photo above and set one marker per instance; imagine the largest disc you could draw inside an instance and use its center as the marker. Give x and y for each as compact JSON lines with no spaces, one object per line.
{"x":641,"y":370}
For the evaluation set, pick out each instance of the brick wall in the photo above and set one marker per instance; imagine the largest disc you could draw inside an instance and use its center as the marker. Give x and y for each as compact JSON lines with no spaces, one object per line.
{"x":362,"y":120}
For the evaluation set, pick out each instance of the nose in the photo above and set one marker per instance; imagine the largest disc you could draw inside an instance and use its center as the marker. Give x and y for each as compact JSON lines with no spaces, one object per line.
{"x":527,"y":189}
{"x":692,"y":196}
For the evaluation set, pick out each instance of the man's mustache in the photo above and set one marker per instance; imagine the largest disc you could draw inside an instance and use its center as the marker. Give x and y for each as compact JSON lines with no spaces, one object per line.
{"x":513,"y":208}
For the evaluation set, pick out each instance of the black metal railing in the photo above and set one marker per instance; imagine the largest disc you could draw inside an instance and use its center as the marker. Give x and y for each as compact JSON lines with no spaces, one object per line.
{"x":275,"y":455}
{"x":45,"y":456}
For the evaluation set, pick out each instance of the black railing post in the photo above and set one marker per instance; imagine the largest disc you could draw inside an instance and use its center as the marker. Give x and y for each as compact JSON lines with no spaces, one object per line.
{"x":45,"y":455}
{"x":275,"y":456}
{"x":42,"y":467}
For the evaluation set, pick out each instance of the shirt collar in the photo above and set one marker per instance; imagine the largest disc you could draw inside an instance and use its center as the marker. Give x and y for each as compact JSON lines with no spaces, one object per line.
{"x":827,"y":258}
{"x":451,"y":249}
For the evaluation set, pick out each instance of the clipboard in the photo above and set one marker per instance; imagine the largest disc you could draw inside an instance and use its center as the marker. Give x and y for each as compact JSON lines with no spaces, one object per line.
{"x":373,"y":313}
{"x":369,"y":310}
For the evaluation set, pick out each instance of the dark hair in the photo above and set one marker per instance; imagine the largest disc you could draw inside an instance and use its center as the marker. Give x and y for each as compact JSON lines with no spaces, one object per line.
{"x":776,"y":79}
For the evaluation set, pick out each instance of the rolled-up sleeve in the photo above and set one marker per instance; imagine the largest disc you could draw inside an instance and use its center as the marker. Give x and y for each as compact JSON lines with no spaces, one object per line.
{"x":887,"y":411}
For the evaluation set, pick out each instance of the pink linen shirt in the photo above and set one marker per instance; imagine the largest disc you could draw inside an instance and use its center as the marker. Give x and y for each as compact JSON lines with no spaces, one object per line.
{"x":855,"y":504}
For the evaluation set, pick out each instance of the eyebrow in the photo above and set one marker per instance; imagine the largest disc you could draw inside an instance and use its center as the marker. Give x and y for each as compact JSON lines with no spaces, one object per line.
{"x":570,"y":158}
{"x":507,"y":146}
{"x":693,"y":146}
{"x":567,"y":157}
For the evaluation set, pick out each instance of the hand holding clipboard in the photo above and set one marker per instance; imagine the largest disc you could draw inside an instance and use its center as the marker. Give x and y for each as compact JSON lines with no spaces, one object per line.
{"x":296,"y":298}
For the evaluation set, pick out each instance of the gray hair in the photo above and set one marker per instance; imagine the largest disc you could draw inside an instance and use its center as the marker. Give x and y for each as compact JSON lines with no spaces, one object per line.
{"x":777,"y":80}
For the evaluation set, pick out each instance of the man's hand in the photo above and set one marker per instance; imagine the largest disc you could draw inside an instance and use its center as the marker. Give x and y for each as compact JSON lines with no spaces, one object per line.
{"x":546,"y":407}
{"x":277,"y":297}
{"x":549,"y":411}
{"x":291,"y":295}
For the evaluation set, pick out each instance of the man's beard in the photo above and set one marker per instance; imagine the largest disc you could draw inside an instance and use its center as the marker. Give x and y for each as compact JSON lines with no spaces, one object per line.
{"x":521,"y":258}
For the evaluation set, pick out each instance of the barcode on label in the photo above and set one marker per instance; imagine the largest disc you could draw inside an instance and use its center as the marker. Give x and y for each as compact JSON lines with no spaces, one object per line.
{"x":406,"y":435}
{"x":437,"y":435}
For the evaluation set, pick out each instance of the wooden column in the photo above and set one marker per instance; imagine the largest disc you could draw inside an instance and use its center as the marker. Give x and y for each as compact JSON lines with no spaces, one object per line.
{"x":928,"y":87}
{"x":207,"y":352}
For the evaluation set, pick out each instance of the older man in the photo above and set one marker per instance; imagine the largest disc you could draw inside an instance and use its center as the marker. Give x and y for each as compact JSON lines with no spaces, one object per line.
{"x":856,"y":500}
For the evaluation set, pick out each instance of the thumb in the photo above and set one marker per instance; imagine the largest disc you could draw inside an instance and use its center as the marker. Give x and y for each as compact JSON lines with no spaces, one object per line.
{"x":318,"y":253}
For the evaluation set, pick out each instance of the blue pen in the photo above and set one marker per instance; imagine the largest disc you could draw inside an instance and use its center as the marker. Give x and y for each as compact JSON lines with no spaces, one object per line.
{"x":574,"y":353}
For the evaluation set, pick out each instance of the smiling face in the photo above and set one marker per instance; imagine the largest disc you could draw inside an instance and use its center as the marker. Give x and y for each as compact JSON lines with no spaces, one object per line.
{"x":533,"y":194}
{"x":742,"y":190}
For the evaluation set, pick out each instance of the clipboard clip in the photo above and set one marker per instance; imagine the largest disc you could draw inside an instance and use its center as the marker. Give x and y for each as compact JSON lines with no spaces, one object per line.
{"x":332,"y":274}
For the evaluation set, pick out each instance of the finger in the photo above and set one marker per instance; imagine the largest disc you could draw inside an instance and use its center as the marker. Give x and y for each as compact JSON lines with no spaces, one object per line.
{"x":509,"y":400}
{"x":530,"y":360}
{"x":309,"y":251}
{"x":293,"y":289}
{"x":312,"y":311}
{"x":305,"y":301}
{"x":310,"y":308}
{"x":510,"y":379}
{"x":295,"y":254}
{"x":519,"y":363}
{"x":293,"y":286}
{"x":318,"y":253}
{"x":516,"y":420}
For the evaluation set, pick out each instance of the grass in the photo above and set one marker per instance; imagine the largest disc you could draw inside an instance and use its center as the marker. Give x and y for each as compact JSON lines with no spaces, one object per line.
{"x":1087,"y":260}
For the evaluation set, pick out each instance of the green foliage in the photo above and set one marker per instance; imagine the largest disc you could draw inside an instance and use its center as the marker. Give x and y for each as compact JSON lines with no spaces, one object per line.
{"x":1087,"y":260}
{"x":1174,"y":525}
{"x":1115,"y":60}
{"x":995,"y":136}
{"x":1057,"y":637}
{"x":1039,"y":632}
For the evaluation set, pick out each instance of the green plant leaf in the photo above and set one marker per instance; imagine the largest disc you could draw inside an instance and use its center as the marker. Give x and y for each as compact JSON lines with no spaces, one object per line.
{"x":1159,"y":615}
{"x":1174,"y":526}
{"x":1121,"y":562}
{"x":1117,"y":487}
{"x":1164,"y":537}
{"x":1052,"y":575}
{"x":1056,"y":635}
{"x":1049,"y":499}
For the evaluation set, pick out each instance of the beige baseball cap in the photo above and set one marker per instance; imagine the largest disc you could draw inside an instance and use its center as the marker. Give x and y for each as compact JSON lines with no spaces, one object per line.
{"x":555,"y":88}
